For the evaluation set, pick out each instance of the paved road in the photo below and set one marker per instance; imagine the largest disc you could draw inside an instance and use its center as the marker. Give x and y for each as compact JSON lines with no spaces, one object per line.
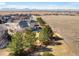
{"x":68,"y":27}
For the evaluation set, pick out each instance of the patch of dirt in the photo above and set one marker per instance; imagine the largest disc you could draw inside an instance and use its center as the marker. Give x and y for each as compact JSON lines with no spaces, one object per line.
{"x":4,"y":52}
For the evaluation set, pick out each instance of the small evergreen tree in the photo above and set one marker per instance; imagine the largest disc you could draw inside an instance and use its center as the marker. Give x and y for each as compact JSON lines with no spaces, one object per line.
{"x":43,"y":35}
{"x":16,"y":45}
{"x":21,"y":41}
{"x":40,"y":20}
{"x":29,"y":38}
{"x":50,"y":32}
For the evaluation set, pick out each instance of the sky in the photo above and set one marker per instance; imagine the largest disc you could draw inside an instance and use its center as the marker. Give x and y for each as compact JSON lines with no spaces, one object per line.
{"x":40,"y":5}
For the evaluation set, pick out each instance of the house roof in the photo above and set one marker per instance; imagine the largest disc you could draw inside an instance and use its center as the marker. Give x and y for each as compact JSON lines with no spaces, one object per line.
{"x":23,"y":24}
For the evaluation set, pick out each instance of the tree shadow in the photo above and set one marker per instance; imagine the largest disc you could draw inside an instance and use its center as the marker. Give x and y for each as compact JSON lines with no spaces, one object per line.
{"x":58,"y":43}
{"x":42,"y":49}
{"x":57,"y":38}
{"x":55,"y":41}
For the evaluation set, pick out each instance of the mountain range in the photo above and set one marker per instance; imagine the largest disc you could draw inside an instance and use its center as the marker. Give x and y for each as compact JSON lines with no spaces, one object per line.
{"x":27,"y":9}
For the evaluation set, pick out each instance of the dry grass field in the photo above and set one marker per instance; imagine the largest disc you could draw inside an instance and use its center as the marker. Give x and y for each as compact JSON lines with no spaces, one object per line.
{"x":24,"y":12}
{"x":68,"y":27}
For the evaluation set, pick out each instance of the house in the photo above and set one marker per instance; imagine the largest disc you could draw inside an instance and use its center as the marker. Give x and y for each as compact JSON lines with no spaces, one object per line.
{"x":6,"y":18}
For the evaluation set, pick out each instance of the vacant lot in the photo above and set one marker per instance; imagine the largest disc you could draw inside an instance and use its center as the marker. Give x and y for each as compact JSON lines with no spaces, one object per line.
{"x":68,"y":27}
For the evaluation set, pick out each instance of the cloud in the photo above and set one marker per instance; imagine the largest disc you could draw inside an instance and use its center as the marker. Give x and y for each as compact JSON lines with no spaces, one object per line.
{"x":73,"y":3}
{"x":68,"y":5}
{"x":60,"y":7}
{"x":2,"y":3}
{"x":14,"y":6}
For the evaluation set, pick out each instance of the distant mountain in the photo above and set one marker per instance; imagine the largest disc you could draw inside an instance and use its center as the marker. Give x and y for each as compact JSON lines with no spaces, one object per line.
{"x":27,"y":9}
{"x":13,"y":9}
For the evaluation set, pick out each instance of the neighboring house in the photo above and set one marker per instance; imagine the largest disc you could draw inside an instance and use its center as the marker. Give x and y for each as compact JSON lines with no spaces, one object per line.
{"x":6,"y":18}
{"x":24,"y":24}
{"x":21,"y":25}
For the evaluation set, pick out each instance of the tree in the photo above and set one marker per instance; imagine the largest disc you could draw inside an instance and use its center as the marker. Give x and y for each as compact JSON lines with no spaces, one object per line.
{"x":16,"y":45}
{"x":22,"y":41}
{"x":29,"y":38}
{"x":50,"y":32}
{"x":46,"y":34}
{"x":43,"y":35}
{"x":40,"y":20}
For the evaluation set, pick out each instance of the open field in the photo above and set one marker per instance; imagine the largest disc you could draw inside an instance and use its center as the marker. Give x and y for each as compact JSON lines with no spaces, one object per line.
{"x":67,"y":26}
{"x":71,"y":13}
{"x":23,"y":12}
